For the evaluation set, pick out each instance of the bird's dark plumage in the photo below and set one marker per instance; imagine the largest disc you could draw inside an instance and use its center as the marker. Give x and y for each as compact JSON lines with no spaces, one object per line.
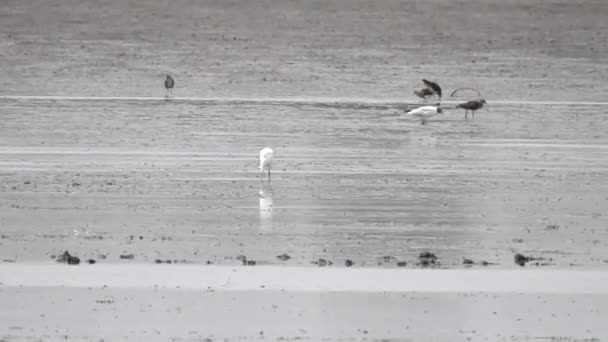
{"x":169,"y":82}
{"x":473,"y":104}
{"x":434,"y":86}
{"x":423,"y":93}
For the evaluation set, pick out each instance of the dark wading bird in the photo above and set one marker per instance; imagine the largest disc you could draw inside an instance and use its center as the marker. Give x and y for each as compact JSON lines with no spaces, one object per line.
{"x":430,"y":89}
{"x":472,"y":106}
{"x":169,"y":83}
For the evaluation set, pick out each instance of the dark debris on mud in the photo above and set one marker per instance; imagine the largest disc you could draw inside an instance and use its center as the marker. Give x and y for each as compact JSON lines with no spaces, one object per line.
{"x":283,"y":257}
{"x":388,"y":258}
{"x":67,"y":258}
{"x":322,"y":262}
{"x":522,"y":260}
{"x":175,"y":261}
{"x":427,"y":259}
{"x":468,"y":262}
{"x":246,"y":262}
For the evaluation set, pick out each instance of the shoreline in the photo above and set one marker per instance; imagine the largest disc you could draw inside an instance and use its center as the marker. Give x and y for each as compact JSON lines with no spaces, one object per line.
{"x":305,"y":279}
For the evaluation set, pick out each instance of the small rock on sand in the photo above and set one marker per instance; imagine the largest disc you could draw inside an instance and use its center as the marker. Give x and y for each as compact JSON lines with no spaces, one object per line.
{"x":401,"y":263}
{"x":127,"y":256}
{"x":348,"y":263}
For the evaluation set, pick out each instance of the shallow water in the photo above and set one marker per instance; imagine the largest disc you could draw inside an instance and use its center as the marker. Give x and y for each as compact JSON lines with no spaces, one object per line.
{"x":179,"y":181}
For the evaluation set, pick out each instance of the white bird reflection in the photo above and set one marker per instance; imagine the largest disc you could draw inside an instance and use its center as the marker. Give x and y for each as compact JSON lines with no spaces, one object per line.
{"x":265,"y":207}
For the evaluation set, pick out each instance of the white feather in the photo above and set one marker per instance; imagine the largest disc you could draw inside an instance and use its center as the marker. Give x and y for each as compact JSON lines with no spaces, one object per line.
{"x":266,"y":155}
{"x":424,"y":112}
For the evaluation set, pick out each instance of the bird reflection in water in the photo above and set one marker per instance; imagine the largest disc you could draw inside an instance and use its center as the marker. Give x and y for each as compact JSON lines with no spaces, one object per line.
{"x":265,"y":207}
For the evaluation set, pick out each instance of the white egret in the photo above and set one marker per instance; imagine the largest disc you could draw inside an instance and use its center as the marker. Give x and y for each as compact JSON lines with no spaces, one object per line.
{"x":266,"y":155}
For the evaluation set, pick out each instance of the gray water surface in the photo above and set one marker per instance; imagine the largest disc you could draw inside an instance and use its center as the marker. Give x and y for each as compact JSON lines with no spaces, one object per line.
{"x":180,"y":181}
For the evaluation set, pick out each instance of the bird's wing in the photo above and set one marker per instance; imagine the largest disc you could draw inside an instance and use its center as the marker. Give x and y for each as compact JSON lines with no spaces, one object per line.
{"x":466,"y":105}
{"x":433,"y":86}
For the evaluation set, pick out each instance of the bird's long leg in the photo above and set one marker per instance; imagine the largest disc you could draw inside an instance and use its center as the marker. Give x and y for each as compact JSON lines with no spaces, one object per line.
{"x":262,"y":176}
{"x":473,"y":114}
{"x":466,"y":114}
{"x":268,"y":175}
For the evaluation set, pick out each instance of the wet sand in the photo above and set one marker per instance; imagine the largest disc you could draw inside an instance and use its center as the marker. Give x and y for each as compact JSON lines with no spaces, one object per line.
{"x":116,"y":314}
{"x":187,"y":302}
{"x":305,"y":279}
{"x":94,"y":161}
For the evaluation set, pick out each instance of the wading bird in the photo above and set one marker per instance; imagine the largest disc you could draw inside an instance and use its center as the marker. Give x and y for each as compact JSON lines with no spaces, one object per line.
{"x":472,"y":106}
{"x":430,"y":89}
{"x":169,"y":83}
{"x":425,"y":112}
{"x":266,"y":155}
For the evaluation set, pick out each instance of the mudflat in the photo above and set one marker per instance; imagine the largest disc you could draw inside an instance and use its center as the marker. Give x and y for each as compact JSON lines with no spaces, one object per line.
{"x":95,"y":161}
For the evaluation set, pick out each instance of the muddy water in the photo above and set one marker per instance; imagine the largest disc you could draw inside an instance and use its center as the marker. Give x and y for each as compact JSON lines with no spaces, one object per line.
{"x":179,"y":180}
